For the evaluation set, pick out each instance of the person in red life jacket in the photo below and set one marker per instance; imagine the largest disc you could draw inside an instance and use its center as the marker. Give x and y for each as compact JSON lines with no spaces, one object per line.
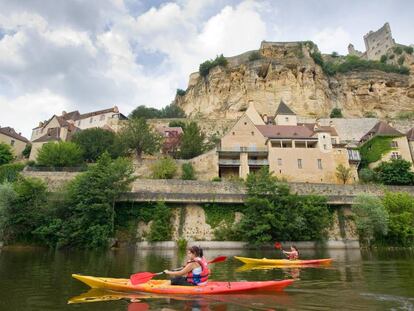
{"x":195,"y":271}
{"x":293,"y":254}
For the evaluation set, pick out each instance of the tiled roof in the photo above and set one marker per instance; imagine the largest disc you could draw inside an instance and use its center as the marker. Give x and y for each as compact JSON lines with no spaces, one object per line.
{"x":9,"y":131}
{"x":381,"y":129}
{"x":285,"y":131}
{"x":73,"y":115}
{"x":410,"y":134}
{"x":284,"y":109}
{"x":326,"y":129}
{"x":53,"y":134}
{"x":98,"y":112}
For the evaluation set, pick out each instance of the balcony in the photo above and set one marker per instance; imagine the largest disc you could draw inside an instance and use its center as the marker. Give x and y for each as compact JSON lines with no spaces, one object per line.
{"x":353,"y":155}
{"x":252,"y":150}
{"x":229,"y":162}
{"x":260,"y":162}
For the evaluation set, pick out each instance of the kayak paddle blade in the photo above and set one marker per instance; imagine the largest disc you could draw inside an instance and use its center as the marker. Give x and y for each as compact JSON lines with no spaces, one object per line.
{"x":141,"y":277}
{"x":218,"y":259}
{"x":278,"y":245}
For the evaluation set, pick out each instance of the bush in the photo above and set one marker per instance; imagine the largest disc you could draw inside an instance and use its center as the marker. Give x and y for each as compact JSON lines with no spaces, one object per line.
{"x":9,"y":172}
{"x":180,"y":92}
{"x":401,"y":60}
{"x":7,"y":196}
{"x":334,"y":54}
{"x":398,"y":50}
{"x":395,"y":172}
{"x":254,"y":56}
{"x":392,"y":56}
{"x":405,"y":115}
{"x":188,"y":172}
{"x":6,"y":154}
{"x":61,"y":154}
{"x":336,"y":113}
{"x":408,"y":49}
{"x":26,"y":151}
{"x":371,"y":218}
{"x":383,"y":58}
{"x":169,"y":111}
{"x":205,"y":67}
{"x":366,"y":175}
{"x":161,"y":226}
{"x":164,"y":168}
{"x":400,"y":207}
{"x":216,"y":179}
{"x":370,"y":114}
{"x":373,"y":149}
{"x":355,"y":63}
{"x":176,"y":123}
{"x":192,"y":141}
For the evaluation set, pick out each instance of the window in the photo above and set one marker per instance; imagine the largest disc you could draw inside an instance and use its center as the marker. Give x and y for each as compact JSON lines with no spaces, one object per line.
{"x":333,"y":141}
{"x":395,"y":155}
{"x":279,"y":161}
{"x":299,"y":163}
{"x":252,"y":133}
{"x":102,"y":117}
{"x":323,"y":136}
{"x":394,"y":144}
{"x":320,"y":164}
{"x":12,"y":142}
{"x":91,"y":120}
{"x":325,"y":147}
{"x":287,"y":119}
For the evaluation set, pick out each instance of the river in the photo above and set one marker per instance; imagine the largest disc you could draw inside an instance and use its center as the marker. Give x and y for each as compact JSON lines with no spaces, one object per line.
{"x":38,"y":279}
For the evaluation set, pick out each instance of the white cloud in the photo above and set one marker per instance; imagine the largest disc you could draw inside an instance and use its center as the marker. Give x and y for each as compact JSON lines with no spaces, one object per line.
{"x":329,"y":40}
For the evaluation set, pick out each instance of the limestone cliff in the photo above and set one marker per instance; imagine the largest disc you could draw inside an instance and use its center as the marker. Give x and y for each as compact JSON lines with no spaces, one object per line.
{"x":287,"y":71}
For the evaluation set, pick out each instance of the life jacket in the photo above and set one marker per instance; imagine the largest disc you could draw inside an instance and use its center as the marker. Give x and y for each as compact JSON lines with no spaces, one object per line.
{"x":293,"y":256}
{"x":199,"y":279}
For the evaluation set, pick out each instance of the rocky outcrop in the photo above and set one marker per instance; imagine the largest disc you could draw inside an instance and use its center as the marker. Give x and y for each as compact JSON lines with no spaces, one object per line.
{"x":287,"y":71}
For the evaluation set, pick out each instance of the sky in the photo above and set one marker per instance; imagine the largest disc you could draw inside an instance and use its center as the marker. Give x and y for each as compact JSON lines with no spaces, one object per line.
{"x":89,"y":55}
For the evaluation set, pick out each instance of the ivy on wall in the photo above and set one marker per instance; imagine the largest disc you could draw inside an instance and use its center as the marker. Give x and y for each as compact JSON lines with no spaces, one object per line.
{"x":374,"y":149}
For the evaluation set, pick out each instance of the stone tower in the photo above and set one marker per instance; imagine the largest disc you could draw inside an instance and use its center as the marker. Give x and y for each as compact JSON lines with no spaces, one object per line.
{"x":378,"y":42}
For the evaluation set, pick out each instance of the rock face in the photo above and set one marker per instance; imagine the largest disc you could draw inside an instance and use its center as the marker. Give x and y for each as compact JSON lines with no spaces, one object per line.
{"x":287,"y":71}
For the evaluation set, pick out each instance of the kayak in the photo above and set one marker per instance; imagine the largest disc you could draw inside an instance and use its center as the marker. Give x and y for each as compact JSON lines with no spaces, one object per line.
{"x":284,"y":262}
{"x":164,"y":287}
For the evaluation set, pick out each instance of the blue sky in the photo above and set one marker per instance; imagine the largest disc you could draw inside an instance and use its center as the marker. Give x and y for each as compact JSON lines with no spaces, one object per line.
{"x":87,"y":55}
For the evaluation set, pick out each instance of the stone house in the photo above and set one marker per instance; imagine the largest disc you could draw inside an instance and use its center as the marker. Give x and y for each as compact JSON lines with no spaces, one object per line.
{"x":15,"y":140}
{"x":171,"y":138}
{"x":400,"y":148}
{"x":63,"y":127}
{"x":300,"y":152}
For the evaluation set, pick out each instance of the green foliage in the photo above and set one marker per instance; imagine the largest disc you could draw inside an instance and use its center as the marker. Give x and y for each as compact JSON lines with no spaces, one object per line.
{"x":371,"y":218}
{"x":392,"y":56}
{"x":6,"y":154}
{"x":367,"y":175}
{"x":398,"y":50}
{"x":370,"y":114}
{"x":60,"y":154}
{"x":26,"y":151}
{"x":408,"y":49}
{"x":188,"y":172}
{"x":182,"y":244}
{"x":334,"y":54}
{"x":221,"y":218}
{"x":161,"y":226}
{"x":272,"y":213}
{"x":7,"y":197}
{"x":10,"y":172}
{"x":180,"y":92}
{"x":343,"y":173}
{"x":383,"y":58}
{"x":192,"y":141}
{"x":177,"y":123}
{"x":336,"y":113}
{"x":216,"y":179}
{"x":405,"y":115}
{"x":94,"y":142}
{"x":164,"y":168}
{"x":401,"y":60}
{"x":23,"y":210}
{"x":254,"y":56}
{"x":88,"y":218}
{"x":205,"y":67}
{"x":137,"y":135}
{"x":372,"y":150}
{"x":400,"y":207}
{"x":395,"y":172}
{"x":170,"y":111}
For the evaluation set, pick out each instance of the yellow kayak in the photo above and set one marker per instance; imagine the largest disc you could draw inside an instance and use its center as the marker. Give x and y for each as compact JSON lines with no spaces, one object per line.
{"x":284,"y":262}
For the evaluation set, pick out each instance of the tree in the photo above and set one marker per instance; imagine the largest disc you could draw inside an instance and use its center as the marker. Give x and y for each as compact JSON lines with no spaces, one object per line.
{"x":161,"y":225}
{"x":139,"y":137}
{"x":177,"y":123}
{"x":164,"y":168}
{"x":6,"y":154}
{"x":367,"y":175}
{"x":7,"y":196}
{"x":60,"y":154}
{"x":371,"y":218}
{"x":188,"y":172}
{"x":395,"y":172}
{"x":336,"y":113}
{"x":144,"y":113}
{"x":172,"y":111}
{"x":169,"y":111}
{"x":88,"y":219}
{"x":343,"y":173}
{"x":400,"y":207}
{"x":95,"y":141}
{"x":192,"y":141}
{"x":180,"y":92}
{"x":26,"y":151}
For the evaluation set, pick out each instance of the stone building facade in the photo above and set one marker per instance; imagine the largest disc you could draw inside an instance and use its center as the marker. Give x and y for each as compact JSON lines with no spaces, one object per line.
{"x":15,"y":140}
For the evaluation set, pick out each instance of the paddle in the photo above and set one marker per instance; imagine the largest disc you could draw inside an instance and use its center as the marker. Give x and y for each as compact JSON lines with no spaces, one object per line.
{"x":143,"y":277}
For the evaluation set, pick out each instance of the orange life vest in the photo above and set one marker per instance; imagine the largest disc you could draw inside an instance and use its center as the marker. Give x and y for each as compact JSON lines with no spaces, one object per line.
{"x":199,"y":279}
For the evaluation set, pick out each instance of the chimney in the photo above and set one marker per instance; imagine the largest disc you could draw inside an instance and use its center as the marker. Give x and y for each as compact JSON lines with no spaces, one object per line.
{"x":265,"y":118}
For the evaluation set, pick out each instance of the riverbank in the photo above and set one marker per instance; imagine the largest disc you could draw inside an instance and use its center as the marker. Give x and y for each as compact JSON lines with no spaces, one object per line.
{"x":330,"y":244}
